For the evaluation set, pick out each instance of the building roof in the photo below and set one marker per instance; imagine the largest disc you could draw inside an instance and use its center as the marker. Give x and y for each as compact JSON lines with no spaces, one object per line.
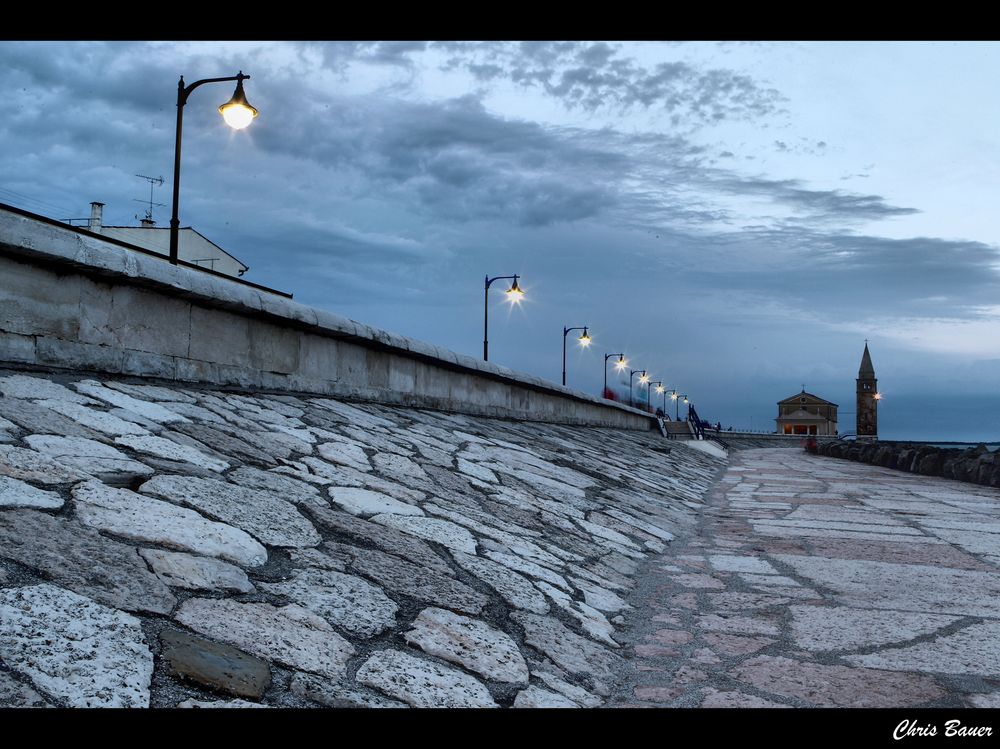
{"x":812,"y":398}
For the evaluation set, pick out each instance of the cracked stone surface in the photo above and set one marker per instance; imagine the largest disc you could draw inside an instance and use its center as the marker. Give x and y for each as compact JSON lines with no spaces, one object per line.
{"x":84,"y":653}
{"x":619,"y":573}
{"x":469,"y":643}
{"x":422,"y":683}
{"x":83,"y":561}
{"x":346,"y":601}
{"x":125,"y":513}
{"x":290,"y":635}
{"x":264,"y":515}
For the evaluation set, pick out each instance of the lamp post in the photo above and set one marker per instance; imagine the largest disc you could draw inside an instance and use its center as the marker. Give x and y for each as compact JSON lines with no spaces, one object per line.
{"x":514,"y":295}
{"x":619,"y":365}
{"x":659,"y":389}
{"x":237,"y":113}
{"x":584,"y":341}
{"x":688,"y":404}
{"x":673,"y":397}
{"x":643,"y":379}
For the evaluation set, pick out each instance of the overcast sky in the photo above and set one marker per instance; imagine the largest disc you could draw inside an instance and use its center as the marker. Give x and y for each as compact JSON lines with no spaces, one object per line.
{"x":736,"y":217}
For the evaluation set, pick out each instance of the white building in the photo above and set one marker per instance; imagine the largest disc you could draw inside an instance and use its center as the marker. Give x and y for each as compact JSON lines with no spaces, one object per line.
{"x":192,"y":247}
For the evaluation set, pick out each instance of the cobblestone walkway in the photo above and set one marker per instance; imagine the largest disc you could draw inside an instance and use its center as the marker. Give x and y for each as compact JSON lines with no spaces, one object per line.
{"x":822,"y":582}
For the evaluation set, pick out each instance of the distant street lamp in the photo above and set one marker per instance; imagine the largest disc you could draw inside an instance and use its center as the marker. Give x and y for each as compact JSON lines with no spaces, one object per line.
{"x":514,"y":296}
{"x":619,"y":365}
{"x":643,"y":379}
{"x":659,"y":389}
{"x":688,"y":404}
{"x":584,"y":341}
{"x":237,"y":113}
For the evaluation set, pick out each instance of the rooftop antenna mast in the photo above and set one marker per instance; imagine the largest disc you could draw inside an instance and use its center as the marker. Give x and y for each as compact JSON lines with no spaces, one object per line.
{"x":152,"y":181}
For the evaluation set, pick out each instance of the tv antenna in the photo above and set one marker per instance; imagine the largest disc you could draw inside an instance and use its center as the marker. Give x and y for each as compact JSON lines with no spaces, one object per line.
{"x":152,"y":181}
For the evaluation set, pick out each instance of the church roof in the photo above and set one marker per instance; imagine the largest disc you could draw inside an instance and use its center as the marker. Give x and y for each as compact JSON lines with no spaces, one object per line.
{"x":812,"y":399}
{"x":866,"y":370}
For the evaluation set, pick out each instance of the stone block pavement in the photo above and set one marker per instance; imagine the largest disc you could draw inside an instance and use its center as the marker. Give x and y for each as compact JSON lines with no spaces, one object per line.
{"x":816,"y":582}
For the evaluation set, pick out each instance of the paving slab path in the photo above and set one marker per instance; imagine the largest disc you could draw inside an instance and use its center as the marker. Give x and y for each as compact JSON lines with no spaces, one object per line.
{"x":819,"y":582}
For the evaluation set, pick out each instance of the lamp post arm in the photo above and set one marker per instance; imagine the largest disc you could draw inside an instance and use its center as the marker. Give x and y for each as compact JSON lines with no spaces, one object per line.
{"x":183,"y":92}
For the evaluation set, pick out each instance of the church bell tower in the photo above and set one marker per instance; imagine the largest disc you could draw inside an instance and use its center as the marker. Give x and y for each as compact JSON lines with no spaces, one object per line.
{"x":868,"y":396}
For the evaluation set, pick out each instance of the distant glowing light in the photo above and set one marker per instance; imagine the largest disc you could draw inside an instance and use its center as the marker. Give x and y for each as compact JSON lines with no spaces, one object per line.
{"x":644,"y":378}
{"x":585,"y":338}
{"x":621,"y":364}
{"x":878,"y":396}
{"x":673,"y":396}
{"x":660,"y":388}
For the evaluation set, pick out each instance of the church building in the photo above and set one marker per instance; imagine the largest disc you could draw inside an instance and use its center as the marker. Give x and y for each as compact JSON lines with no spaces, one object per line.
{"x":805,"y":413}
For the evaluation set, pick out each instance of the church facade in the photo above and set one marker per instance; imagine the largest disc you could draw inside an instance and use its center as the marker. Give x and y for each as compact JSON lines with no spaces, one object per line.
{"x":805,"y":413}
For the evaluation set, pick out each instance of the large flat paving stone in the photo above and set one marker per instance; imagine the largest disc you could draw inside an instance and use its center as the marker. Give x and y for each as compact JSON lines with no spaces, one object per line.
{"x":568,"y":650}
{"x":973,"y":650}
{"x":290,"y":635}
{"x":82,"y":560}
{"x":365,"y":502}
{"x":264,"y":515}
{"x":513,"y":588}
{"x":422,"y":683}
{"x":214,"y":665}
{"x":16,"y":493}
{"x":903,"y":587}
{"x":446,"y":533}
{"x":141,"y":518}
{"x":400,"y":577}
{"x":84,"y":653}
{"x":196,"y":573}
{"x":837,"y":686}
{"x":346,"y":601}
{"x":160,"y":447}
{"x":387,"y":539}
{"x":470,"y":643}
{"x":90,"y":457}
{"x":842,"y":628}
{"x":339,"y":693}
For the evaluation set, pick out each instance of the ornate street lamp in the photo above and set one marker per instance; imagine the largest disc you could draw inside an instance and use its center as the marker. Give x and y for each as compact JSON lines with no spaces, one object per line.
{"x":584,"y":341}
{"x":237,"y":113}
{"x":514,"y":296}
{"x":619,"y":365}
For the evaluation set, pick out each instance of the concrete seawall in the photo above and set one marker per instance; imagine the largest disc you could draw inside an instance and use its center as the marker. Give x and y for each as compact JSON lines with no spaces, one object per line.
{"x":70,"y":299}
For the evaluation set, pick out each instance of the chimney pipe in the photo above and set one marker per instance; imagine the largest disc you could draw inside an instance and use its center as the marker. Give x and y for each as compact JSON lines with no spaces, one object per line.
{"x":96,"y":214}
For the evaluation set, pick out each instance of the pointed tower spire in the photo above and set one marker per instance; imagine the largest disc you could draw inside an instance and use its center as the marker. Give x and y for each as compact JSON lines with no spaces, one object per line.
{"x":867,"y":370}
